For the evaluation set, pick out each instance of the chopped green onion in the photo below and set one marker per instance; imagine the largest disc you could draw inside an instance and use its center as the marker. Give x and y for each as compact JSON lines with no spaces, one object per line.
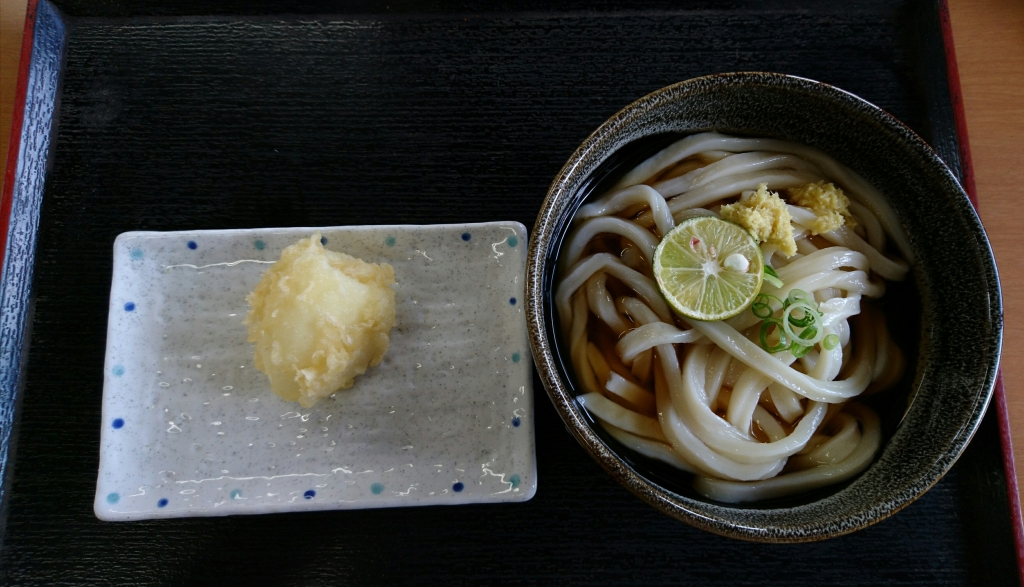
{"x":771,"y":276}
{"x":766,"y":326}
{"x":799,"y":350}
{"x":808,"y":315}
{"x":762,"y":311}
{"x":807,"y":334}
{"x":762,"y":306}
{"x":799,"y":295}
{"x":810,"y":323}
{"x":830,"y":342}
{"x":800,"y":325}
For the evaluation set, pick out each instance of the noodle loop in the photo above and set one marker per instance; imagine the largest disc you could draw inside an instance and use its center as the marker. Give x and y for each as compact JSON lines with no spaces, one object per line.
{"x":707,"y":397}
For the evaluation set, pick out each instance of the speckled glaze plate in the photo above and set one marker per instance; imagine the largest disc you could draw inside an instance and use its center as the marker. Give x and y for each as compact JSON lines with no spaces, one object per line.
{"x":191,"y":428}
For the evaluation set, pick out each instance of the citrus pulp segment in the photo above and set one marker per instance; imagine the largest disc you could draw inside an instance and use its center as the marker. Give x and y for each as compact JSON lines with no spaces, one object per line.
{"x":708,"y":268}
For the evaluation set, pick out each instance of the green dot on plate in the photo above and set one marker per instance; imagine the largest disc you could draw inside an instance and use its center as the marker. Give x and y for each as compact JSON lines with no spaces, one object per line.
{"x":512,"y":241}
{"x":236,"y":493}
{"x":377,"y":488}
{"x":136,"y":254}
{"x":514,"y":480}
{"x":113,"y":498}
{"x":260,"y":245}
{"x":515,"y":357}
{"x":390,"y":241}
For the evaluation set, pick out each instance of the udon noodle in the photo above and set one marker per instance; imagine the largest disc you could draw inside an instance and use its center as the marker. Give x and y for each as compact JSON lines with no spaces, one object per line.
{"x":707,"y":397}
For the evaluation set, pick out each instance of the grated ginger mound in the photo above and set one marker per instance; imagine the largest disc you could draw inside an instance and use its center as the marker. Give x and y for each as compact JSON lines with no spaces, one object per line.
{"x":320,"y":319}
{"x":829,"y":204}
{"x":765,"y":215}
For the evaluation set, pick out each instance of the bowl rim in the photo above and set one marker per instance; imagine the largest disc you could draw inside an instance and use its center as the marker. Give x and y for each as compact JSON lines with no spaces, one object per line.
{"x":545,"y":229}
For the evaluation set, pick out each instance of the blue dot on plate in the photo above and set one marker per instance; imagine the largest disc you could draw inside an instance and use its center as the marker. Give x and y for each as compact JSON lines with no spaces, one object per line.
{"x":118,"y":370}
{"x":192,"y":245}
{"x":466,"y":236}
{"x":309,"y":494}
{"x":118,"y":423}
{"x":113,"y":498}
{"x":162,"y":503}
{"x":458,"y":487}
{"x":236,"y":493}
{"x":516,"y":422}
{"x":512,"y":241}
{"x":129,"y":307}
{"x":390,"y":241}
{"x":323,"y":240}
{"x":377,"y":488}
{"x":514,"y":480}
{"x":136,"y":254}
{"x":260,"y":245}
{"x":515,"y":357}
{"x":512,"y":301}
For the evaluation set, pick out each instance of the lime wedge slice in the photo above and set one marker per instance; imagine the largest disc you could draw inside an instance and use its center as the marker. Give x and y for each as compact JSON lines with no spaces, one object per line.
{"x":708,"y":268}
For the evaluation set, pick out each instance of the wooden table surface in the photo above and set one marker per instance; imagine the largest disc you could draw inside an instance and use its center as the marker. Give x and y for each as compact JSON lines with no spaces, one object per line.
{"x":989,"y":36}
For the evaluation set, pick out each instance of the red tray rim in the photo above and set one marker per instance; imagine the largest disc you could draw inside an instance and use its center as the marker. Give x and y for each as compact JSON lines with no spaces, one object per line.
{"x":967,"y":172}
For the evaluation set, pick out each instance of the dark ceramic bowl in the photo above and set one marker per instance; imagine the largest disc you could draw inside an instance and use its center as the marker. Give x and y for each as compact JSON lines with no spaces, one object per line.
{"x":948,"y":319}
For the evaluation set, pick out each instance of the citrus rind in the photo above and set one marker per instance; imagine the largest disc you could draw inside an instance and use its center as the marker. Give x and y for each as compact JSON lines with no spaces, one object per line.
{"x":692,"y":274}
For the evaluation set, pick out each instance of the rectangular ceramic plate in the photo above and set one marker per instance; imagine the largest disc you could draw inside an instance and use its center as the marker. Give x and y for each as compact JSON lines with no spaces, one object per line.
{"x":191,"y":428}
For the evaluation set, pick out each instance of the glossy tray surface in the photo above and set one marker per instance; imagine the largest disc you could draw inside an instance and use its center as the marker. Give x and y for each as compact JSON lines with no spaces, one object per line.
{"x":176,"y":119}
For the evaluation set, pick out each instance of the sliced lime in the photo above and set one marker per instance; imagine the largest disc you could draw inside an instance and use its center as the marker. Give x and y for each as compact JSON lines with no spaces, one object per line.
{"x":708,"y":268}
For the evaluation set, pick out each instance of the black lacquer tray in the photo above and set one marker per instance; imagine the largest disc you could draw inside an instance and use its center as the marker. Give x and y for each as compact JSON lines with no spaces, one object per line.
{"x":139,"y":115}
